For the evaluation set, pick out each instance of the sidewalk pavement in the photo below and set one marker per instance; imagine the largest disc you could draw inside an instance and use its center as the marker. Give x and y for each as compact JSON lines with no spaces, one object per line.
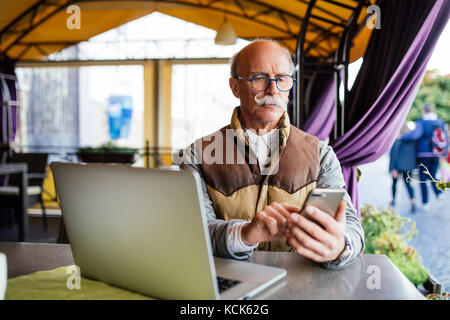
{"x":433,"y":240}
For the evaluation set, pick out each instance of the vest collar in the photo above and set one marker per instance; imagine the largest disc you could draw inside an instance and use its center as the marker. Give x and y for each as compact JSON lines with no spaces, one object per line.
{"x":238,"y":125}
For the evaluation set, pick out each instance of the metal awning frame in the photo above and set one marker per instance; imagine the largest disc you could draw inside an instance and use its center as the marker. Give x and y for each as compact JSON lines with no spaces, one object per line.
{"x":31,"y":19}
{"x":338,"y":64}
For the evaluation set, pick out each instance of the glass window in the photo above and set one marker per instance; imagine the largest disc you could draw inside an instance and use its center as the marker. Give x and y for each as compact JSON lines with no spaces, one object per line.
{"x":111,"y":106}
{"x":202,"y":101}
{"x":62,"y":109}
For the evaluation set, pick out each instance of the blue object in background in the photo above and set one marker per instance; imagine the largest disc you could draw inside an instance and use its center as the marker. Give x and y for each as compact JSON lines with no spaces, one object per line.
{"x":114,"y":117}
{"x":119,"y":115}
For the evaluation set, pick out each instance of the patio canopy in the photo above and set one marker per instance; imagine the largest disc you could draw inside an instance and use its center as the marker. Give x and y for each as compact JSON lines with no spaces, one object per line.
{"x":33,"y":29}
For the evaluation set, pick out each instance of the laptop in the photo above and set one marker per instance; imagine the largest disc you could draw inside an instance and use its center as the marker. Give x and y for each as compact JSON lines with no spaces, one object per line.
{"x":145,"y":230}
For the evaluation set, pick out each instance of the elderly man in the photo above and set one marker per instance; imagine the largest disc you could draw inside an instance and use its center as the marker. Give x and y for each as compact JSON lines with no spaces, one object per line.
{"x":256,"y":179}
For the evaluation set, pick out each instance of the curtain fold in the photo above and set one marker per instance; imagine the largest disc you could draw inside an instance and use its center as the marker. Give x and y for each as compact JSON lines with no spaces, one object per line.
{"x":393,"y":67}
{"x":323,"y":99}
{"x":8,"y":97}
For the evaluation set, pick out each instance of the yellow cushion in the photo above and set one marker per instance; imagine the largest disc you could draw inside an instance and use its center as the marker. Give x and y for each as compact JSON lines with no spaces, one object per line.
{"x":52,"y":285}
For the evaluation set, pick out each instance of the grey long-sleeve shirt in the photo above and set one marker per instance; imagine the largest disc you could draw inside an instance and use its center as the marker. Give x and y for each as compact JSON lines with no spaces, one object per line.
{"x":330,"y":176}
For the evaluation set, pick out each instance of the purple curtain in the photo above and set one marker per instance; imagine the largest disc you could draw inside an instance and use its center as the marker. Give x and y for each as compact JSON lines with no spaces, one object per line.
{"x":8,"y":94}
{"x":393,"y":67}
{"x":323,"y":101}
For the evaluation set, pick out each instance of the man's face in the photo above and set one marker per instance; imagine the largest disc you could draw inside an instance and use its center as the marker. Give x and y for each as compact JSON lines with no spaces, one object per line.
{"x":261,"y":58}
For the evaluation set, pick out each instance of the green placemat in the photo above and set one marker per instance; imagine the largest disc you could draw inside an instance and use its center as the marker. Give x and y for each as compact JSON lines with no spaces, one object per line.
{"x":52,"y":284}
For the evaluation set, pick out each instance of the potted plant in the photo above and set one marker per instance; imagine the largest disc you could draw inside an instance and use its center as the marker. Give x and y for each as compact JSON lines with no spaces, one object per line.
{"x":386,"y":232}
{"x":107,"y":153}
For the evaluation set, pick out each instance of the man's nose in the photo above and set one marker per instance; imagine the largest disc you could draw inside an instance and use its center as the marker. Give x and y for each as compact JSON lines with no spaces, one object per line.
{"x":272,"y":88}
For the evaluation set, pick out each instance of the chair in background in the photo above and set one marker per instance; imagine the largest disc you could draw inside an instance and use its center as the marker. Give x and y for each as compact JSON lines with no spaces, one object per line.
{"x":9,"y":194}
{"x":5,"y":153}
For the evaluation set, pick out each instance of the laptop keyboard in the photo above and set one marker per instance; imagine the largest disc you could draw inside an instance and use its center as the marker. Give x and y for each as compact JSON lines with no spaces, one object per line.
{"x":225,"y":284}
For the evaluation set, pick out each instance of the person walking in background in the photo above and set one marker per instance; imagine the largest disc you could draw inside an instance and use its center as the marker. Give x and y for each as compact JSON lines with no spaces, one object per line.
{"x":444,"y":165}
{"x":431,"y":140}
{"x":402,"y":159}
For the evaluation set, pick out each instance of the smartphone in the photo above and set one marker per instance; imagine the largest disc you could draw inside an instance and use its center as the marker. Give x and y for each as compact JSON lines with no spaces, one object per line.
{"x":326,"y":200}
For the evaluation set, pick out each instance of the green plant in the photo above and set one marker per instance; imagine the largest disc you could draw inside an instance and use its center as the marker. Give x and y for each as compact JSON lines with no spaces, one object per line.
{"x":386,"y":232}
{"x":108,"y":147}
{"x":435,"y":89}
{"x":358,"y":174}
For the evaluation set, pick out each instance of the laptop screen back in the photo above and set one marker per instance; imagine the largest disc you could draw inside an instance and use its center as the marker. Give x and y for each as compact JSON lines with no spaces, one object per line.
{"x":139,"y":229}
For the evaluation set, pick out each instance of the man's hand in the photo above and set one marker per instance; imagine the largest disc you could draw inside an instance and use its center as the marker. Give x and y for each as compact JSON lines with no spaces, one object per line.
{"x":268,"y":224}
{"x":314,"y":242}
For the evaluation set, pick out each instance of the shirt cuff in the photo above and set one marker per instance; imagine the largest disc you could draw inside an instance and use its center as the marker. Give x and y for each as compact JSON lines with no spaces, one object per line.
{"x":236,"y":245}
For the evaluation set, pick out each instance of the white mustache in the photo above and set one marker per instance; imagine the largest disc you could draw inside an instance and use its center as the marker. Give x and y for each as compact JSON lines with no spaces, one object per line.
{"x":276,"y":100}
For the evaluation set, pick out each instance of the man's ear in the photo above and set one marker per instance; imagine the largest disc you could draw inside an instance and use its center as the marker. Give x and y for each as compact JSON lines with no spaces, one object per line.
{"x":234,"y":85}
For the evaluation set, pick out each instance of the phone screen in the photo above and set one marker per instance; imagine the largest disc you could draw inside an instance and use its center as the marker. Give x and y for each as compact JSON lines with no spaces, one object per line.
{"x":327,"y":200}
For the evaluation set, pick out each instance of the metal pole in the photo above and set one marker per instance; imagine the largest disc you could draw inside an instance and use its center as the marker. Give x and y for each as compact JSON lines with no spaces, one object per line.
{"x":147,"y":154}
{"x":300,"y":114}
{"x":342,"y":60}
{"x":346,"y":58}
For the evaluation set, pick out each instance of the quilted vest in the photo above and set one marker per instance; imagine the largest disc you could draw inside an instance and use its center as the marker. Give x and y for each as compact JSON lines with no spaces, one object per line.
{"x":238,"y":189}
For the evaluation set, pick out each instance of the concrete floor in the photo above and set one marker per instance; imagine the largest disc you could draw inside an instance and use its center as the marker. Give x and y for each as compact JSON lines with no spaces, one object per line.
{"x":36,"y":231}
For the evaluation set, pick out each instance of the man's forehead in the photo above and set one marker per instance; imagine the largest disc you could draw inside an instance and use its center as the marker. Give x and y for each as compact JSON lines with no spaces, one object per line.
{"x":264,"y":57}
{"x":278,"y":64}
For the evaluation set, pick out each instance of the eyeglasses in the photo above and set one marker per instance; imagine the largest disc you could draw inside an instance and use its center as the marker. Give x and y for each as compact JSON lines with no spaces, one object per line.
{"x":261,"y":82}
